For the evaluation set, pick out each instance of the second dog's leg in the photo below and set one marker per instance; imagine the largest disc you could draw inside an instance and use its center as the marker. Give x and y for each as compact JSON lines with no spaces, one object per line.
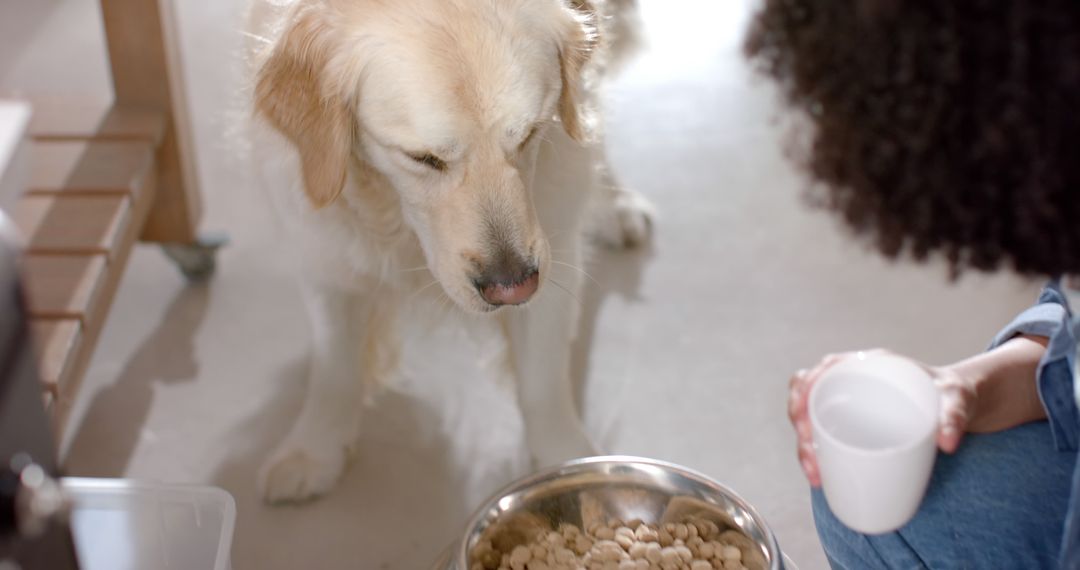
{"x":312,"y":457}
{"x":540,"y":336}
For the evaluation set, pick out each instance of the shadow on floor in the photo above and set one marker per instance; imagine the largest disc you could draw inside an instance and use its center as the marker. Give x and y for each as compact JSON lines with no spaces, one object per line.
{"x":110,"y":429}
{"x":398,"y":506}
{"x":621,"y":275}
{"x":19,"y":28}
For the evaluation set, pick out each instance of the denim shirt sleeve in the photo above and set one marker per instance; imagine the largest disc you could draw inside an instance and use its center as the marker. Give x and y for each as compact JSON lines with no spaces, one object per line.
{"x":1051,"y":317}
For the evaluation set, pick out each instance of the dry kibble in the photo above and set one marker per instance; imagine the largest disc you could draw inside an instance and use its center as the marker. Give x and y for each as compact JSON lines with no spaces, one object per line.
{"x":681,"y":532}
{"x":714,"y":529}
{"x":665,"y":537}
{"x":607,"y":550}
{"x":485,"y":556}
{"x":653,"y":552}
{"x":557,"y":540}
{"x":702,"y":527}
{"x":519,"y":557}
{"x":689,"y":545}
{"x":646,"y":533}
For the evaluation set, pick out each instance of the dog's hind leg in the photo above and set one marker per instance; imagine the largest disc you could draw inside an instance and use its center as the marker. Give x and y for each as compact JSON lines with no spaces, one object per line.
{"x":620,"y":217}
{"x":312,"y":457}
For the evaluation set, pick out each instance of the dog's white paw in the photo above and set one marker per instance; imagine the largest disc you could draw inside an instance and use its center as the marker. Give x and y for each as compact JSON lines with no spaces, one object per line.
{"x":301,"y":472}
{"x":558,"y":448}
{"x":626,"y":221}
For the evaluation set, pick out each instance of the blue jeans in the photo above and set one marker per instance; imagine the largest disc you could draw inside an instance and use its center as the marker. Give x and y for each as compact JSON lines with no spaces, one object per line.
{"x":998,"y":503}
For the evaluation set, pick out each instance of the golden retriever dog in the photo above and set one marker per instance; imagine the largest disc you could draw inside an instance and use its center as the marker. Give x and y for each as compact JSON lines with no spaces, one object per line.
{"x":449,"y":143}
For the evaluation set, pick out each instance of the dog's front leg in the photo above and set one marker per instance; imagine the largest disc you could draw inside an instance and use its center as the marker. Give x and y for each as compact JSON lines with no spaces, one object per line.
{"x":540,"y":336}
{"x":312,"y":457}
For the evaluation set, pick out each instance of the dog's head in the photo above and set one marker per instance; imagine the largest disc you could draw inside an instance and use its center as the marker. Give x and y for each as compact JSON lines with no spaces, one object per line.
{"x":448,"y":100}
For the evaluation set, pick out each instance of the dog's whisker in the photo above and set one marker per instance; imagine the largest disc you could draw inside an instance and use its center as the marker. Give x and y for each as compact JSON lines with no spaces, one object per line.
{"x":446,"y":304}
{"x":568,"y":292}
{"x":422,"y":289}
{"x":578,"y":269}
{"x":412,"y":269}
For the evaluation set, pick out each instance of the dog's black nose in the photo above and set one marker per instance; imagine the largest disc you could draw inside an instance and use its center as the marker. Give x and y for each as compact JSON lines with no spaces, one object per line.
{"x":508,"y":283}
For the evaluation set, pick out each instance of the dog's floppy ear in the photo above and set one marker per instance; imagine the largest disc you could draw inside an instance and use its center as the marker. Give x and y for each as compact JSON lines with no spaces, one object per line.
{"x":292,"y":94}
{"x":578,"y":42}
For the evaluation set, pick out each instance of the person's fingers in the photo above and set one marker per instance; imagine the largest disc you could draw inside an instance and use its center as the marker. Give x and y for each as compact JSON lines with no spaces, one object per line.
{"x":948,"y":438}
{"x":799,"y":388}
{"x":798,"y":400}
{"x":808,"y":462}
{"x":953,"y":421}
{"x":797,"y":395}
{"x":826,"y":362}
{"x":804,"y":429}
{"x":801,"y":383}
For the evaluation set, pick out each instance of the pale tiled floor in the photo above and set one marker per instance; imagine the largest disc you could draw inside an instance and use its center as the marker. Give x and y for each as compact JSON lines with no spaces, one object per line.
{"x":686,"y":348}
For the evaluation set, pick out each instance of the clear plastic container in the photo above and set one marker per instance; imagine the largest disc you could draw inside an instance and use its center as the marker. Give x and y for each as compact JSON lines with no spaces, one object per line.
{"x":120,"y":524}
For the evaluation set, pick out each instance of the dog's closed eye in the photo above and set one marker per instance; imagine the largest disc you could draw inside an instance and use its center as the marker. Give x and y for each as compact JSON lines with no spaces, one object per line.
{"x":429,"y":160}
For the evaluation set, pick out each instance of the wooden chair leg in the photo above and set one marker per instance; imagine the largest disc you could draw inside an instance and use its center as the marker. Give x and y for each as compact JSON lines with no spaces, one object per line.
{"x":144,"y":53}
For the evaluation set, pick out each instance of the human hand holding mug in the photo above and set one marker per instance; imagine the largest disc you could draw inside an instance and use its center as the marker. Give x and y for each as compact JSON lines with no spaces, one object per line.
{"x":867,"y":424}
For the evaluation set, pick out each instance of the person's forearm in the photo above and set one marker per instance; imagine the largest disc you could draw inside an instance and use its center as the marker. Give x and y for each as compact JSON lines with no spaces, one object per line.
{"x":1004,"y":381}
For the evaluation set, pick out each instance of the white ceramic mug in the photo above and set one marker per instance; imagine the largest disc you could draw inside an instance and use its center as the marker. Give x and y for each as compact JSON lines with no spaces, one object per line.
{"x":875,"y":422}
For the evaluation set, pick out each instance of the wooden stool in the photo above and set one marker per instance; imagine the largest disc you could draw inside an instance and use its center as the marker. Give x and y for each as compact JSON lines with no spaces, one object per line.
{"x":105,"y":174}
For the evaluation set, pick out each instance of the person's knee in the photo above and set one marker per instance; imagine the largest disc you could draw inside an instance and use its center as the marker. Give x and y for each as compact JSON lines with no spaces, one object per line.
{"x":850,"y":550}
{"x":1007,"y":491}
{"x":838,"y":541}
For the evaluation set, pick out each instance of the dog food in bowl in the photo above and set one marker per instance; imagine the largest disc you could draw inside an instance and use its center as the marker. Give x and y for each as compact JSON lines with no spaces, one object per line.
{"x":615,"y":513}
{"x":695,"y":544}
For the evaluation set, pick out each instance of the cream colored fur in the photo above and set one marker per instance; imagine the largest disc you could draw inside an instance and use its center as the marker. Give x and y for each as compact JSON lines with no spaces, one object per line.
{"x":353,"y":103}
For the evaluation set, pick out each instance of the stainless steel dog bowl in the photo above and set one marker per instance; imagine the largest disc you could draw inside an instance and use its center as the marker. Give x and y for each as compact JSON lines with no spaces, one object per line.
{"x":605,"y":487}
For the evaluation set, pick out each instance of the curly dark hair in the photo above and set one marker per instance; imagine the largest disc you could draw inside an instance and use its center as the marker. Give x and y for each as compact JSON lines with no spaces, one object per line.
{"x":938,"y":126}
